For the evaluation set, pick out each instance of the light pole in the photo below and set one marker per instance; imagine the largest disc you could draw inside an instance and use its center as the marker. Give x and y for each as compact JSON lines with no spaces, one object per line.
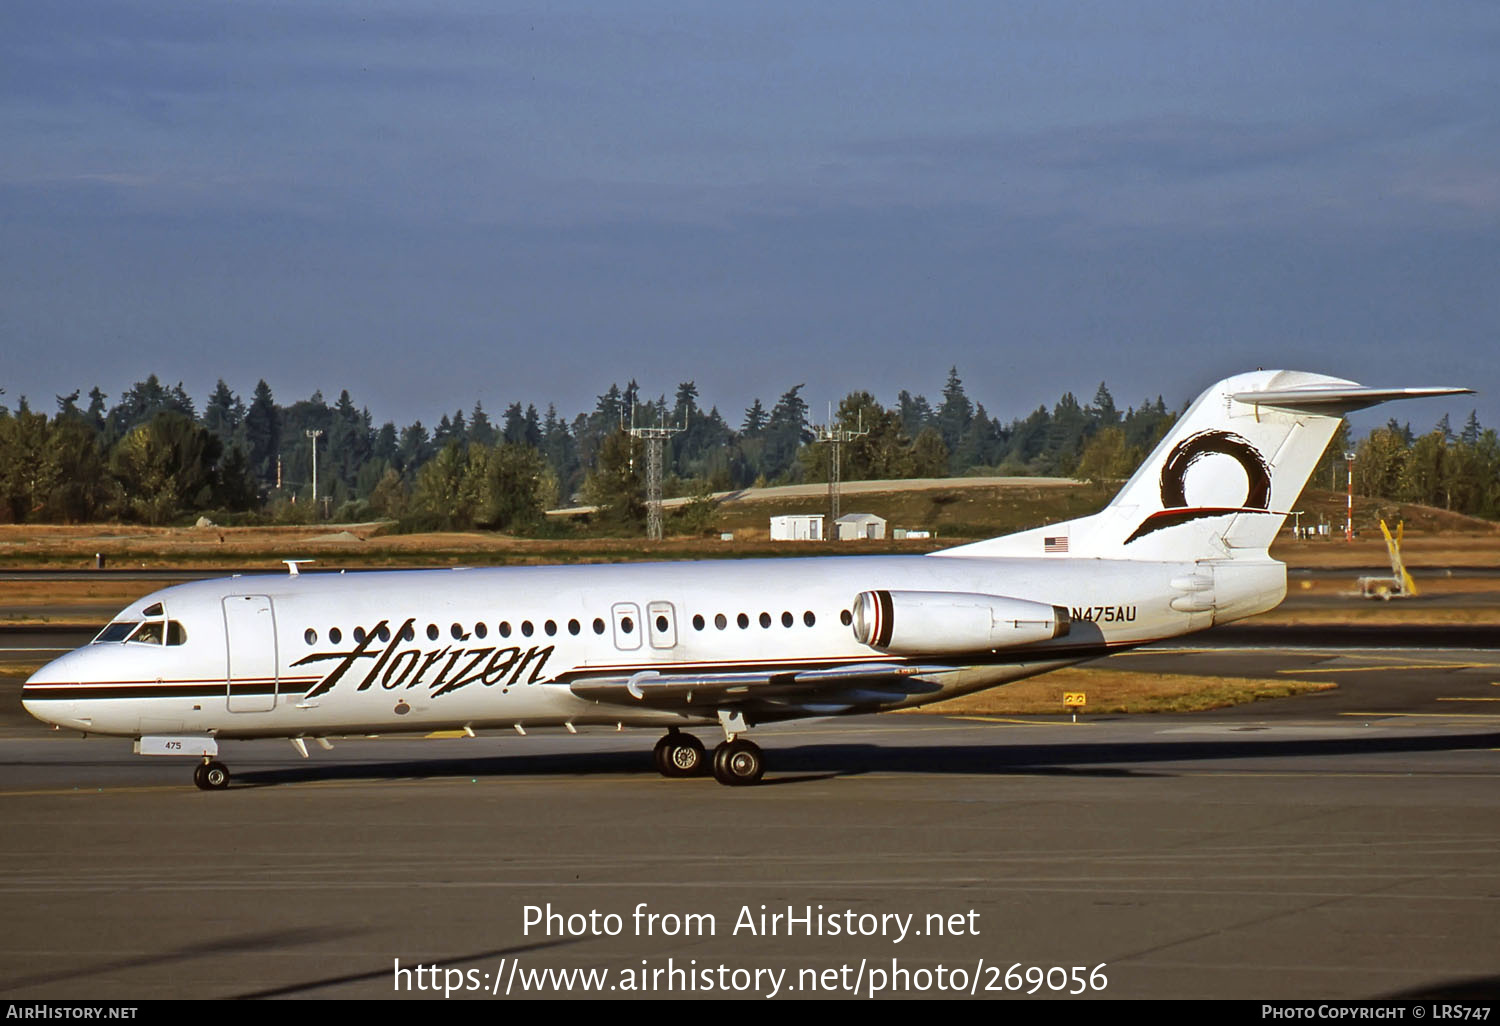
{"x":313,"y":434}
{"x":1349,"y":506}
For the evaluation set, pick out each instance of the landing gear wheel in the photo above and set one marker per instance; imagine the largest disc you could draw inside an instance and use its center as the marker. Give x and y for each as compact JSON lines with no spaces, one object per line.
{"x":680,"y":755}
{"x":211,"y":776}
{"x":738,"y":763}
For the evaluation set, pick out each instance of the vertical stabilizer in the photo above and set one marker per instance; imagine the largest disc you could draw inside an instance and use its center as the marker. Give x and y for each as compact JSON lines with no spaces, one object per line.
{"x":1222,"y":482}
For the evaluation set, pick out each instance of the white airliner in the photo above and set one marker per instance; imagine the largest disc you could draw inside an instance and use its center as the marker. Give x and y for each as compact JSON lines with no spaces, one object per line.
{"x":720,"y":644}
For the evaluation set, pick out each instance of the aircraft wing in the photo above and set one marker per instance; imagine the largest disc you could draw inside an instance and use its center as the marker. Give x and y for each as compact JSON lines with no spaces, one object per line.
{"x":842,"y":686}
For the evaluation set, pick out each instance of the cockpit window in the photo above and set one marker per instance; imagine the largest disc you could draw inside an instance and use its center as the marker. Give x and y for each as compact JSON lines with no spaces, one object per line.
{"x":154,"y":610}
{"x":149,"y":633}
{"x":117,"y":631}
{"x":176,"y":635}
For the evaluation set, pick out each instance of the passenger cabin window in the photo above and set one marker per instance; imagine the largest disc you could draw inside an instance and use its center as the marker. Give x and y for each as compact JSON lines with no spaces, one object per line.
{"x":117,"y":631}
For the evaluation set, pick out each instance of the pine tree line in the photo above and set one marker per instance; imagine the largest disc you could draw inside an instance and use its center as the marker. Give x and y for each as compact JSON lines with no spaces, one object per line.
{"x":153,"y":458}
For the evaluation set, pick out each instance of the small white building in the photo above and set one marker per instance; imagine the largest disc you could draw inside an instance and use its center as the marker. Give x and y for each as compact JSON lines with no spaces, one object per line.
{"x":797,"y":527}
{"x":856,"y":526}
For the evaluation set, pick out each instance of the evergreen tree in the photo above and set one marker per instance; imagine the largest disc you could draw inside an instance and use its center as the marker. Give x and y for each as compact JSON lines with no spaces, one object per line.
{"x":224,"y":415}
{"x":96,"y":410}
{"x":480,"y":429}
{"x":1102,"y":412}
{"x":755,"y":419}
{"x":956,"y":411}
{"x":263,"y":434}
{"x":67,"y":406}
{"x":350,"y":445}
{"x":1471,"y":430}
{"x":415,"y":449}
{"x":786,"y":432}
{"x":915,"y":413}
{"x":616,"y":485}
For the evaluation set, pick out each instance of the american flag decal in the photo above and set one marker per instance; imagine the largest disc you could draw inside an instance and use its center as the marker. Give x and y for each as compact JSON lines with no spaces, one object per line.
{"x":1058,"y":544}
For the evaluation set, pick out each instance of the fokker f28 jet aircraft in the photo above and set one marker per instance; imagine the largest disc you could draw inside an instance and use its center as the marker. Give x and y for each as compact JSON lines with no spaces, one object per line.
{"x":727,"y":645}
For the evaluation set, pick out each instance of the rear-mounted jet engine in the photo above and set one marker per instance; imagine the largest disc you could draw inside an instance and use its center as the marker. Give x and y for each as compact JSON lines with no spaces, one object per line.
{"x":936,"y":622}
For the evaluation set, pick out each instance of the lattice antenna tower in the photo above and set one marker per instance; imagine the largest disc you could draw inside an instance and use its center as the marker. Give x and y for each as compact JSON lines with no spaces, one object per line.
{"x":835,"y":438}
{"x":656,"y":440}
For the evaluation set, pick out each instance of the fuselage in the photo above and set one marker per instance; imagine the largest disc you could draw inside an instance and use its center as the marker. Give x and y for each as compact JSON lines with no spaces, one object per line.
{"x":419,"y":650}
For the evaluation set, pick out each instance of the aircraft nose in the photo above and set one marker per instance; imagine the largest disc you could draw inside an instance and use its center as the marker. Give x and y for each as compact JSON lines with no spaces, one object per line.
{"x":34,"y":692}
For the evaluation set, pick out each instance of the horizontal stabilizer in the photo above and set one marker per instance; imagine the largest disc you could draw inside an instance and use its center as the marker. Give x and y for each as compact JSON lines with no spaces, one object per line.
{"x":1336,"y":401}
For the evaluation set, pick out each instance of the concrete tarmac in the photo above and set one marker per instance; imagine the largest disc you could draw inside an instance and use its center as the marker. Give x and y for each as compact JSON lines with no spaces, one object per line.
{"x":1337,"y":845}
{"x":1196,"y":856}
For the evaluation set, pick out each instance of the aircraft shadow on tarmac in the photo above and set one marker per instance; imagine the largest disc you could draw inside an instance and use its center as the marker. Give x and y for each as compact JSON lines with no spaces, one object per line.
{"x":276,"y":940}
{"x":805,"y":763}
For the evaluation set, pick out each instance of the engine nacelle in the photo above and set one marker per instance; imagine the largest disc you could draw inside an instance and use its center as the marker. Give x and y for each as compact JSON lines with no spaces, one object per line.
{"x":934,"y":622}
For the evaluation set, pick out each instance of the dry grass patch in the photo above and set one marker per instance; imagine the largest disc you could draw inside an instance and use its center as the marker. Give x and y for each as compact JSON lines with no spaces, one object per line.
{"x":1110,"y":691}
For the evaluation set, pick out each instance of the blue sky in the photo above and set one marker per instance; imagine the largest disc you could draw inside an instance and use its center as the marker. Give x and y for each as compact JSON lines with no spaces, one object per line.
{"x":437,"y":202}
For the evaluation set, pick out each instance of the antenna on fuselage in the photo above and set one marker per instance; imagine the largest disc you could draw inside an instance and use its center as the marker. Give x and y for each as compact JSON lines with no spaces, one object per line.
{"x":291,"y":565}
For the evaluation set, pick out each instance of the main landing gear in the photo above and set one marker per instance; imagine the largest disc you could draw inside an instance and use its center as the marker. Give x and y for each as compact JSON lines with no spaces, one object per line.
{"x":680,"y":755}
{"x":736,"y":762}
{"x":211,"y":775}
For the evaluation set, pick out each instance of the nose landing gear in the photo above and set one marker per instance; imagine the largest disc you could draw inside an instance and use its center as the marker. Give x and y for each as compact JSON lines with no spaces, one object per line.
{"x":211,"y":775}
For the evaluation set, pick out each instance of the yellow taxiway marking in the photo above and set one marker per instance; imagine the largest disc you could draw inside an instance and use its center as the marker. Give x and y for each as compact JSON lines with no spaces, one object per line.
{"x":1411,"y":666}
{"x":1024,"y":723}
{"x":1486,"y":698}
{"x":445,"y":734}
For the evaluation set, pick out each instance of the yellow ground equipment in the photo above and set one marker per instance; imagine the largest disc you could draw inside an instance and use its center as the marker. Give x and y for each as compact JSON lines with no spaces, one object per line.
{"x":1399,"y":584}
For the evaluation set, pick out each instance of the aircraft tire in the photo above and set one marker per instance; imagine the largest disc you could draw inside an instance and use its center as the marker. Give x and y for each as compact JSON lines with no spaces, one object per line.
{"x":680,"y":755}
{"x":198,"y":777}
{"x":212,"y":776}
{"x":738,"y":763}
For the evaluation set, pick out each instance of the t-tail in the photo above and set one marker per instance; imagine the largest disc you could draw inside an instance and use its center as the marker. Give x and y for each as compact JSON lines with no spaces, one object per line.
{"x":1222,"y":482}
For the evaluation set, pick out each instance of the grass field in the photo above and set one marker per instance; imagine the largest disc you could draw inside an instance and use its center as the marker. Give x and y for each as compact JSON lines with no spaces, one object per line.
{"x":1121,"y":691}
{"x":957,"y":514}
